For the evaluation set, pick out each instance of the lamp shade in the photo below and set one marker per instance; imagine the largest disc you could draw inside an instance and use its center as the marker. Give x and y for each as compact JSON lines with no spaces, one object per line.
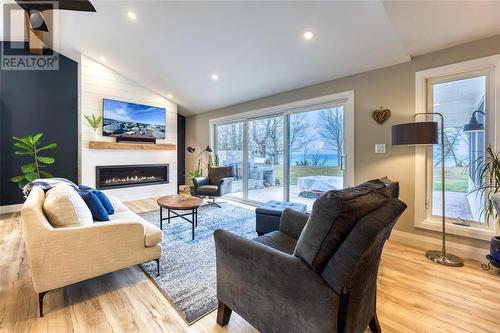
{"x":416,"y":133}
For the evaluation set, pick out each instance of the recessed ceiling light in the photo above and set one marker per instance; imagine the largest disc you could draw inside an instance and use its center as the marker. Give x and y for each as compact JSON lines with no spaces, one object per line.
{"x":308,"y":35}
{"x":215,"y":77}
{"x":170,"y":96}
{"x":131,"y":16}
{"x":102,"y":59}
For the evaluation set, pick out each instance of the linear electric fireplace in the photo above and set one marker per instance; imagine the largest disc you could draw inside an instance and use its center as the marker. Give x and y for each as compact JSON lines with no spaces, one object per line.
{"x":116,"y":176}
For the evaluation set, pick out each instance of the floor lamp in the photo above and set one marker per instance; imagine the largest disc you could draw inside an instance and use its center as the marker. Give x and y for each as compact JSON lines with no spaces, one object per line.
{"x":426,"y":133}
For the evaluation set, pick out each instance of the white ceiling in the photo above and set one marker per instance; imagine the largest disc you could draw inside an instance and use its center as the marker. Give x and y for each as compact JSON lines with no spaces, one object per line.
{"x":257,"y":48}
{"x":426,"y":26}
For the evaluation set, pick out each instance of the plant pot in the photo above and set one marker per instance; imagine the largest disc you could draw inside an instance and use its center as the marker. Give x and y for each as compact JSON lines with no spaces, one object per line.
{"x":495,"y":248}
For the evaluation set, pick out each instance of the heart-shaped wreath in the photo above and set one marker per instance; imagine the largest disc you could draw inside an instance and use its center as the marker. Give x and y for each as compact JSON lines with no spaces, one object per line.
{"x":381,"y":115}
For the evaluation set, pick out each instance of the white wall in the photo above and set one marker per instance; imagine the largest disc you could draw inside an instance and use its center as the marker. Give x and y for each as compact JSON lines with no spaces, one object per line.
{"x":97,"y":82}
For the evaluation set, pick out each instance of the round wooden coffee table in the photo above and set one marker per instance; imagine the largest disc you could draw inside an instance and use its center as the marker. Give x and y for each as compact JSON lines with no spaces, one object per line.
{"x":180,"y":202}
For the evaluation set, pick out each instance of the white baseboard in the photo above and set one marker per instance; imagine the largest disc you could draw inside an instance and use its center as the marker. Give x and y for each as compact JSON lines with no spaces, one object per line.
{"x":10,"y":208}
{"x":461,"y":250}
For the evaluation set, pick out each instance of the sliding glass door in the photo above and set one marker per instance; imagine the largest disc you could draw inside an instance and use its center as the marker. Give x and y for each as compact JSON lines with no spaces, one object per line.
{"x":265,"y":158}
{"x":294,"y":154}
{"x":316,"y":153}
{"x":228,"y":144}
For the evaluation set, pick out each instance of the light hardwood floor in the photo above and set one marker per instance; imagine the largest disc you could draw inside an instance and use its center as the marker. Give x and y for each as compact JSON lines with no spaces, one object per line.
{"x":414,"y":295}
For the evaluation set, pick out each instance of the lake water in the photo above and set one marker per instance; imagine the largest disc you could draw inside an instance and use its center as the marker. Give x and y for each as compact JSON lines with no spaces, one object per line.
{"x":324,"y":159}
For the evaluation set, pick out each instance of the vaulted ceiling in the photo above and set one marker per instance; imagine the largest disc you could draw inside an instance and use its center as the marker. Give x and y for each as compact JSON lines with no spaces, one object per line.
{"x":257,"y":48}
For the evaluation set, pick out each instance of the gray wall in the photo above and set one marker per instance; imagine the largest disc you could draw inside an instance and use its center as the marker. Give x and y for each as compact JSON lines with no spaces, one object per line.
{"x":394,"y":88}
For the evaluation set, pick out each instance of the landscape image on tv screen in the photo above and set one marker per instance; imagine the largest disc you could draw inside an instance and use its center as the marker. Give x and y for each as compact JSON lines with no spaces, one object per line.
{"x":123,"y":119}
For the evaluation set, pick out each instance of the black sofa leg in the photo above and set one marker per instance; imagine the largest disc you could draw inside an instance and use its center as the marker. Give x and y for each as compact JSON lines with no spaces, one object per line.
{"x":375,"y":325}
{"x":158,"y":266}
{"x":223,"y":314}
{"x":40,"y":302}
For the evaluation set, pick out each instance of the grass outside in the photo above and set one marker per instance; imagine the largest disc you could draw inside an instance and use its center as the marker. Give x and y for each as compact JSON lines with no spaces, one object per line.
{"x":303,"y":171}
{"x":456,"y":180}
{"x":456,"y":177}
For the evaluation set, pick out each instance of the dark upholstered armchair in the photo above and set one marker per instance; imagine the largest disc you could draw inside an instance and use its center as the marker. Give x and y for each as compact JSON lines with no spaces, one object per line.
{"x":216,"y":184}
{"x":315,"y":274}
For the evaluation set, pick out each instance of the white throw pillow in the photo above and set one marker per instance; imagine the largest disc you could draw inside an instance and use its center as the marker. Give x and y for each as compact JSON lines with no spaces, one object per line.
{"x":64,"y":207}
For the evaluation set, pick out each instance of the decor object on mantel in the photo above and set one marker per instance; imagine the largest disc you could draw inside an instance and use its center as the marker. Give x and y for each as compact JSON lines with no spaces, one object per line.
{"x":29,"y":145}
{"x":426,"y":133}
{"x":381,"y":115}
{"x":94,"y":122}
{"x":130,"y":145}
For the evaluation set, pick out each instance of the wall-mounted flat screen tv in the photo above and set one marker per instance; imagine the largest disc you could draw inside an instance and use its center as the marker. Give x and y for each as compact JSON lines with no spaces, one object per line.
{"x":124,"y":119}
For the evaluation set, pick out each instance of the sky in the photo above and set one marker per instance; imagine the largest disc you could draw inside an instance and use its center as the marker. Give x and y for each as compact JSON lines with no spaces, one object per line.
{"x":124,"y":111}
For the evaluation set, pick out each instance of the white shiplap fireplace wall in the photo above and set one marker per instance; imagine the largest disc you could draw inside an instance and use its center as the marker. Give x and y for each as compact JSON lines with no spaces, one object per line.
{"x":97,"y":82}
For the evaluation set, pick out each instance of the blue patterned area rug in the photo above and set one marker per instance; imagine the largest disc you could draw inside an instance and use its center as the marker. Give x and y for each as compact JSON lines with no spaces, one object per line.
{"x":188,"y":277}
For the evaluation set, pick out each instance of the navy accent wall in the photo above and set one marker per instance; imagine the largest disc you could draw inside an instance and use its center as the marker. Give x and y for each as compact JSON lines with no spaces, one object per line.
{"x":181,"y":149}
{"x":38,"y":101}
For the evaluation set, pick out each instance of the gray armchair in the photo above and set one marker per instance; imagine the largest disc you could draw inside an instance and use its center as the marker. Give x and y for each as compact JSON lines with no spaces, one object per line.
{"x":216,"y":184}
{"x":315,"y":274}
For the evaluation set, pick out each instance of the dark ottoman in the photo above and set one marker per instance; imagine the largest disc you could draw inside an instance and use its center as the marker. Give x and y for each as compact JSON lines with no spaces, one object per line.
{"x":269,"y":214}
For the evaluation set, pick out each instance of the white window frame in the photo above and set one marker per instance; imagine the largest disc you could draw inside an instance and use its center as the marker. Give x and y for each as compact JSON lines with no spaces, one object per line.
{"x":489,"y":66}
{"x":343,"y":98}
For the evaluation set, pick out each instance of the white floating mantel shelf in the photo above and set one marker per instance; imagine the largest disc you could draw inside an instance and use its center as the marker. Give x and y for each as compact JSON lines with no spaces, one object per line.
{"x":133,"y":146}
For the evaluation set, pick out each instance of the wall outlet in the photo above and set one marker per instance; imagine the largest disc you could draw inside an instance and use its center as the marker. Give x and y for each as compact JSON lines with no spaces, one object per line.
{"x":380,"y":148}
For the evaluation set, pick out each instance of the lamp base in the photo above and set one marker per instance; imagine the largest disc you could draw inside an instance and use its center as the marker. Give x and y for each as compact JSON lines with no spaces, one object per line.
{"x":448,"y":259}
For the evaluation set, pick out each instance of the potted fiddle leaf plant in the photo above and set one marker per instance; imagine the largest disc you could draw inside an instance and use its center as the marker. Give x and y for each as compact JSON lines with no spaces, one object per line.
{"x":198,"y":172}
{"x":94,"y":122}
{"x":30,"y":145}
{"x":488,"y":190}
{"x":194,"y":174}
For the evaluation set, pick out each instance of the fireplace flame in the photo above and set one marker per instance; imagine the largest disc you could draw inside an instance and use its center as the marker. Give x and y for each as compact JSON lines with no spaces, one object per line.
{"x":134,"y":179}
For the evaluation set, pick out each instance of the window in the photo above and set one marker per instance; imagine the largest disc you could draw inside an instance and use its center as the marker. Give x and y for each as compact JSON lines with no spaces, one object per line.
{"x":291,"y":152}
{"x":457,"y":100}
{"x":464,"y":94}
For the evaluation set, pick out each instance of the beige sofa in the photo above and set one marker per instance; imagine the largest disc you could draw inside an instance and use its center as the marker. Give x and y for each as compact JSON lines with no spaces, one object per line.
{"x":58,"y":257}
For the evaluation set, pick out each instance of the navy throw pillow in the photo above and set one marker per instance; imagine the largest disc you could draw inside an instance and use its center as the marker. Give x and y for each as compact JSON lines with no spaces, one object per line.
{"x":100,"y":195}
{"x":98,"y":211}
{"x":105,"y":201}
{"x":85,"y":188}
